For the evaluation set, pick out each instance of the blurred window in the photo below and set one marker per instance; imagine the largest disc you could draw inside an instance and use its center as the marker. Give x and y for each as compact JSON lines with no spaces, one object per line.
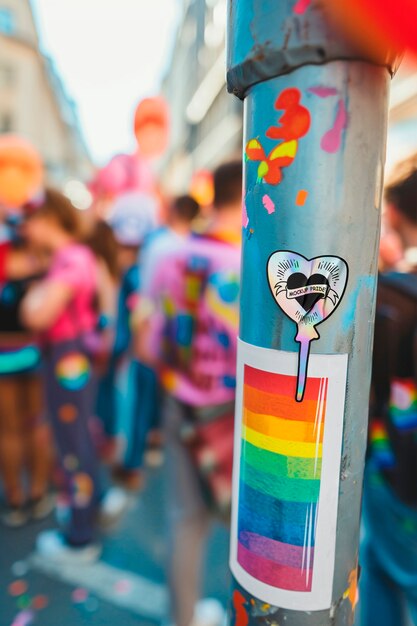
{"x":7,"y":75}
{"x":7,"y":21}
{"x":6,"y":122}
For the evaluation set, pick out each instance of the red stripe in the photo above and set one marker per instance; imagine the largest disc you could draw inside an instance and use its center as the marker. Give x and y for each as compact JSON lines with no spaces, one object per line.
{"x":280,"y":383}
{"x":273,"y":574}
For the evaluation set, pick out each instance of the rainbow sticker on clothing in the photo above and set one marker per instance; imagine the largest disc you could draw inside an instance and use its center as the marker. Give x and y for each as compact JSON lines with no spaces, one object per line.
{"x":286,"y":477}
{"x":73,"y":371}
{"x":83,"y":488}
{"x":403,"y":404}
{"x":380,"y":445}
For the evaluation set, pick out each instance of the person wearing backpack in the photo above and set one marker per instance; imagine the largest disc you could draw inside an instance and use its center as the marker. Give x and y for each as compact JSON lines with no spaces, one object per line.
{"x":189,"y":334}
{"x":388,"y":583}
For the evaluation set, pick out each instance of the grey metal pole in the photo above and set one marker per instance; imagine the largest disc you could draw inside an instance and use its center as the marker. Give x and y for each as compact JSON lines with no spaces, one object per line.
{"x":315,"y":132}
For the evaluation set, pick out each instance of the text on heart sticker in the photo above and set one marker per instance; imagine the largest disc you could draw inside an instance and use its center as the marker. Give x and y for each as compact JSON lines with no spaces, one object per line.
{"x":308,"y":291}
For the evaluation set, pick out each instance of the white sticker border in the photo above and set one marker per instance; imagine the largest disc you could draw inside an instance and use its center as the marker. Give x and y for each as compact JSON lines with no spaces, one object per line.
{"x":333,"y":367}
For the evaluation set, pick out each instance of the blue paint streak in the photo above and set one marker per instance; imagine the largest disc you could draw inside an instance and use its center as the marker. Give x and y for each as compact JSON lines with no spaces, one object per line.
{"x":348,"y":317}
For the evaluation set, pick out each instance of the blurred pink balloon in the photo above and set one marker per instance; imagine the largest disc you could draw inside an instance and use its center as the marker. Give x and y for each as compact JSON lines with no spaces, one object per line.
{"x":123,"y":173}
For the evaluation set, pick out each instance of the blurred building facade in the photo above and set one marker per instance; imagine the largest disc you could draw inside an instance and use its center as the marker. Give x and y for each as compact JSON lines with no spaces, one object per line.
{"x":33,"y":101}
{"x":206,"y":120}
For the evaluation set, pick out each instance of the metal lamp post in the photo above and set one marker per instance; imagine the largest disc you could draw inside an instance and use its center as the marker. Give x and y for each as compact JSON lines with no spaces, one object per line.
{"x":314,"y":142}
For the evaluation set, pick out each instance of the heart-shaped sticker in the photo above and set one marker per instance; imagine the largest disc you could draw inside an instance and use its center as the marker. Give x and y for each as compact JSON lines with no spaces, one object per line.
{"x":308,"y":291}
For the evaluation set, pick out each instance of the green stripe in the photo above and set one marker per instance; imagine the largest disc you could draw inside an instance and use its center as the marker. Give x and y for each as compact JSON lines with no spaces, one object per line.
{"x":279,"y":464}
{"x":280,"y":487}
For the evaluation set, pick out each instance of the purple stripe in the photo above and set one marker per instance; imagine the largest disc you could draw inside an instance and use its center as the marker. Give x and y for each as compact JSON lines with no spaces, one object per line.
{"x":282,"y":553}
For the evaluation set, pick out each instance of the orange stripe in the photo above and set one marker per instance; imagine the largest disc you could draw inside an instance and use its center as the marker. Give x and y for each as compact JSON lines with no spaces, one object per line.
{"x":280,"y":383}
{"x":282,"y":428}
{"x":279,"y":406}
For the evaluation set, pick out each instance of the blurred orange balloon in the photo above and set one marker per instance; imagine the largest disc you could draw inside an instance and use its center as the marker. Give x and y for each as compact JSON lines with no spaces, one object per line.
{"x":21,"y":171}
{"x":152,"y":126}
{"x":378,"y":26}
{"x":202,"y":188}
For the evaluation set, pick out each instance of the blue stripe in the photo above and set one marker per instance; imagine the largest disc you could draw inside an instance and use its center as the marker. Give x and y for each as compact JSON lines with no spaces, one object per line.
{"x":269,"y":517}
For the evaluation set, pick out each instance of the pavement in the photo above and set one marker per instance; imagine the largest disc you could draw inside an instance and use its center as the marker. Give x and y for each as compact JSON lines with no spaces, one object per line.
{"x":127,"y":587}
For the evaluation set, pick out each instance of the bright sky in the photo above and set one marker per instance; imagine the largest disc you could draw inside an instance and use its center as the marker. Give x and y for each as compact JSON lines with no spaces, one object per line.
{"x":109,"y":53}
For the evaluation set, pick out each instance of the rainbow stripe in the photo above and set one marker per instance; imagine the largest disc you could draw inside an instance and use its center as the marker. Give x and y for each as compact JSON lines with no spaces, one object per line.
{"x":280,"y":472}
{"x":403,"y":404}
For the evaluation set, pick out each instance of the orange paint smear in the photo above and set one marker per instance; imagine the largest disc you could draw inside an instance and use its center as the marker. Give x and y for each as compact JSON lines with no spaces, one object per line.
{"x":351,"y":592}
{"x":302,"y":196}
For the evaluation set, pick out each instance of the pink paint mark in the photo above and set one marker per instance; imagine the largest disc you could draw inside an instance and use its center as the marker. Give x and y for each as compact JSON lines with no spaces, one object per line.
{"x":24,"y":618}
{"x":79,"y":596}
{"x":301,"y":6}
{"x":323,"y":92}
{"x":245,"y":218}
{"x":332,"y":140}
{"x":123,"y":587}
{"x":268,"y":204}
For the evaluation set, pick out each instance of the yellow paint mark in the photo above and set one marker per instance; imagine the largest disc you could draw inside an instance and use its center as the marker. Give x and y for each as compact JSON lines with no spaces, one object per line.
{"x":263,"y":169}
{"x":254,"y":144}
{"x":287,"y":149}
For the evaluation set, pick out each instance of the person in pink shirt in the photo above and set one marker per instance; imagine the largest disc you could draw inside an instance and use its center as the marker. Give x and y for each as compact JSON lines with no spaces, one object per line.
{"x":187,"y":329}
{"x":62,"y":309}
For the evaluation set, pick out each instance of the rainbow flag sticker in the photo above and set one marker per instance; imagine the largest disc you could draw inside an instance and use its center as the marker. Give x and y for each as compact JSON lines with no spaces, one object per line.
{"x":286,"y":477}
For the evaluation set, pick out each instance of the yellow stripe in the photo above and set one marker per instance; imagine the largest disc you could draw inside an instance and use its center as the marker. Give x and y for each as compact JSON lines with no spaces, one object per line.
{"x":280,"y":446}
{"x":279,"y":428}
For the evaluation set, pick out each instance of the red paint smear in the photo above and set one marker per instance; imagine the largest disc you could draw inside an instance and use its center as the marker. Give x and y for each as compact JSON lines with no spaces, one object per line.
{"x":301,"y":6}
{"x":40,"y":602}
{"x":294,"y":123}
{"x":17,"y":588}
{"x":239,"y":602}
{"x":394,"y":24}
{"x":271,"y":573}
{"x":332,"y":140}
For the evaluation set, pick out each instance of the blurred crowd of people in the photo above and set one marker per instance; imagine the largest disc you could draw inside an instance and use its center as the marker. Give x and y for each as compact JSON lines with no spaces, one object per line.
{"x":118,"y":335}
